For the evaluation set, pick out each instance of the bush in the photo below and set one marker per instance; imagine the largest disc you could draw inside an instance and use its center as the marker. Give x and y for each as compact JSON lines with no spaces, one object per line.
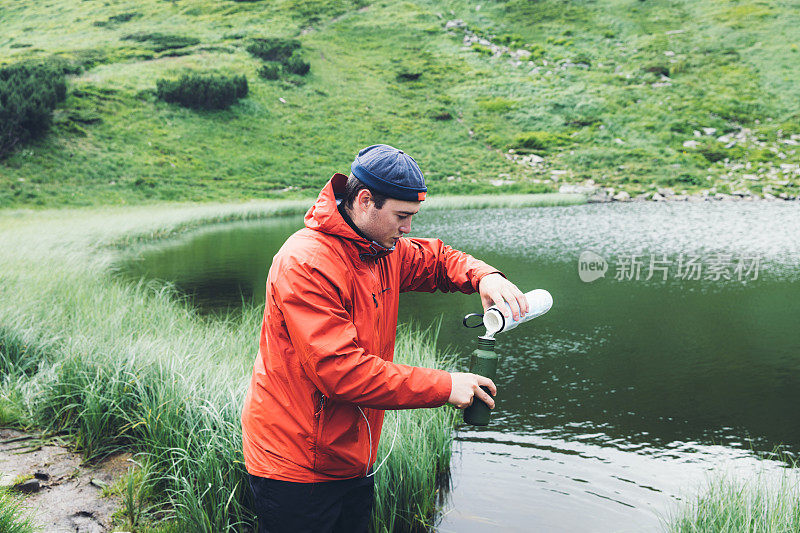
{"x":714,"y":151}
{"x":28,"y":95}
{"x":498,"y":104}
{"x":295,"y":65}
{"x":273,"y":49}
{"x":203,"y":92}
{"x":270,"y":71}
{"x":116,"y":19}
{"x":537,"y":51}
{"x":160,"y":42}
{"x":481,"y":49}
{"x":539,"y":140}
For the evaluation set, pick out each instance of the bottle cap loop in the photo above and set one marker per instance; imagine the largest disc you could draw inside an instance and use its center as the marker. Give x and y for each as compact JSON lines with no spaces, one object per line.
{"x":478,"y":324}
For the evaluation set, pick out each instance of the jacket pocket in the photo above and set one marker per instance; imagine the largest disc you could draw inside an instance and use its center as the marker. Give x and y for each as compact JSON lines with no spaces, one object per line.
{"x":341,"y":447}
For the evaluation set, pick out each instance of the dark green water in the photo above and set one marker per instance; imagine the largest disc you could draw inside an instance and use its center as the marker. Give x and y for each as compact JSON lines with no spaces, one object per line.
{"x":620,"y":398}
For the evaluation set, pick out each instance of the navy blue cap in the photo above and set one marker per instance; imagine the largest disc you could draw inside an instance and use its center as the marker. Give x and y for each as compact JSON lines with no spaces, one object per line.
{"x":390,"y":171}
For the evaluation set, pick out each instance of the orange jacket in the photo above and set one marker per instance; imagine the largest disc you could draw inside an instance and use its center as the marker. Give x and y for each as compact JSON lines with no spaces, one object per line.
{"x":327,"y":344}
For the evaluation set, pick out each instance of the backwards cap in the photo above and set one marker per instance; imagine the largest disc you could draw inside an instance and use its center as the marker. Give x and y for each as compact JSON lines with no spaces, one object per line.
{"x":390,"y":171}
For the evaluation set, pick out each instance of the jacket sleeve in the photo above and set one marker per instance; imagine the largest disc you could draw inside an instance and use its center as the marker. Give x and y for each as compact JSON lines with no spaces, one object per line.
{"x":428,"y":265}
{"x":326,"y":344}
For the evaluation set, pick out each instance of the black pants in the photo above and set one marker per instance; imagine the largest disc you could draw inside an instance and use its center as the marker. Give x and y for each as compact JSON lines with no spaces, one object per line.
{"x":330,"y":506}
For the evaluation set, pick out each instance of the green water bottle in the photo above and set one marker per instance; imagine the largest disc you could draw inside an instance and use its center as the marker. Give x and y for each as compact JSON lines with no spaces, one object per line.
{"x":484,"y":363}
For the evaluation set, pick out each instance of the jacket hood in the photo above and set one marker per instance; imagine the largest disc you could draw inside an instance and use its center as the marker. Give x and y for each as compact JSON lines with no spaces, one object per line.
{"x":324,"y":217}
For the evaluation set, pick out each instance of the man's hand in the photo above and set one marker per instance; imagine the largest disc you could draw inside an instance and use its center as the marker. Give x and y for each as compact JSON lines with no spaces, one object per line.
{"x":467,"y":386}
{"x":495,"y":290}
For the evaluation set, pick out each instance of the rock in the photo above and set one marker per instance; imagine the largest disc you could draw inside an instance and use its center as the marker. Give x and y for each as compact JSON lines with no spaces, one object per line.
{"x":691,"y":144}
{"x":41,"y":476}
{"x":709,"y":131}
{"x":622,"y":196}
{"x":657,"y":197}
{"x":678,"y":198}
{"x":666,"y":191}
{"x":600,"y":197}
{"x":456,"y":23}
{"x":721,"y":196}
{"x":569,"y":188}
{"x":28,"y":487}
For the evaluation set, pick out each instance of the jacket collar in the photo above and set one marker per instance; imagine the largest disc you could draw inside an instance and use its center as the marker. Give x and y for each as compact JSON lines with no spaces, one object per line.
{"x":324,"y":217}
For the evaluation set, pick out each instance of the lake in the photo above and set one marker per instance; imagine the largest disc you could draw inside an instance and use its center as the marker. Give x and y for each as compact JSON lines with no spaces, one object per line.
{"x":682,"y":359}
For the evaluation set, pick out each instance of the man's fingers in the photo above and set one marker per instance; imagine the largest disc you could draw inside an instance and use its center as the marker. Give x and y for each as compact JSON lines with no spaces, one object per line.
{"x":486,"y":382}
{"x":484,"y":397}
{"x":523,"y":302}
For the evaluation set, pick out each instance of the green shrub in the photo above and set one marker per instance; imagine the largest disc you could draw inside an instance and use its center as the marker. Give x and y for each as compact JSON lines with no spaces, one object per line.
{"x":160,"y":42}
{"x":116,"y":19}
{"x":559,"y":41}
{"x":407,"y":75}
{"x":203,"y":91}
{"x":270,"y":71}
{"x":481,"y":49}
{"x":28,"y":95}
{"x":498,"y":104}
{"x":658,"y":68}
{"x":538,"y":141}
{"x":714,"y":151}
{"x":510,"y":39}
{"x":296,"y":65}
{"x":273,"y":48}
{"x":439,"y":112}
{"x":536,"y":50}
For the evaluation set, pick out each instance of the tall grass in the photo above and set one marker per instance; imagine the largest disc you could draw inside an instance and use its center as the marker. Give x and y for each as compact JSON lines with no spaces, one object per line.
{"x":407,"y":483}
{"x":133,"y":367}
{"x":14,"y":518}
{"x":761,"y":504}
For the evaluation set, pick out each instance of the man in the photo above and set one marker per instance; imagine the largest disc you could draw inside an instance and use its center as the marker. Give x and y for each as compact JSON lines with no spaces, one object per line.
{"x":324,"y":373}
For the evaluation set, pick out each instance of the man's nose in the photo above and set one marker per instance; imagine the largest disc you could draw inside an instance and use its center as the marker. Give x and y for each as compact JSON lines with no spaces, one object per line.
{"x":405,"y":227}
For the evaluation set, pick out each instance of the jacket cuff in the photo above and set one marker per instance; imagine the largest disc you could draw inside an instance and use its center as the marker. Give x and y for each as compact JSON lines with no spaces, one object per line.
{"x":444,"y":387}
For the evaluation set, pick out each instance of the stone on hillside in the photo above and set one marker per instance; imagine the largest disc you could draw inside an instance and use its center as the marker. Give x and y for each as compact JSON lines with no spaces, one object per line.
{"x":571,"y":188}
{"x":690,"y":144}
{"x":457,"y":23}
{"x":657,"y":197}
{"x":622,"y":196}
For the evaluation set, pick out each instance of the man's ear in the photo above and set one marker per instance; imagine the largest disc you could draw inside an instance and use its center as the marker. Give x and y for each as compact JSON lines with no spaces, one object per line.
{"x":363,"y":199}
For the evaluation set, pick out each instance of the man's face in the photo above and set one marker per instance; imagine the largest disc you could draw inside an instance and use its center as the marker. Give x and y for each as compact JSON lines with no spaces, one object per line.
{"x":387,"y":224}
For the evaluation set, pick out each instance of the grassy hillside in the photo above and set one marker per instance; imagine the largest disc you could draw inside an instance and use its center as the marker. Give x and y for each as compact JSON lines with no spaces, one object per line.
{"x":691,"y":95}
